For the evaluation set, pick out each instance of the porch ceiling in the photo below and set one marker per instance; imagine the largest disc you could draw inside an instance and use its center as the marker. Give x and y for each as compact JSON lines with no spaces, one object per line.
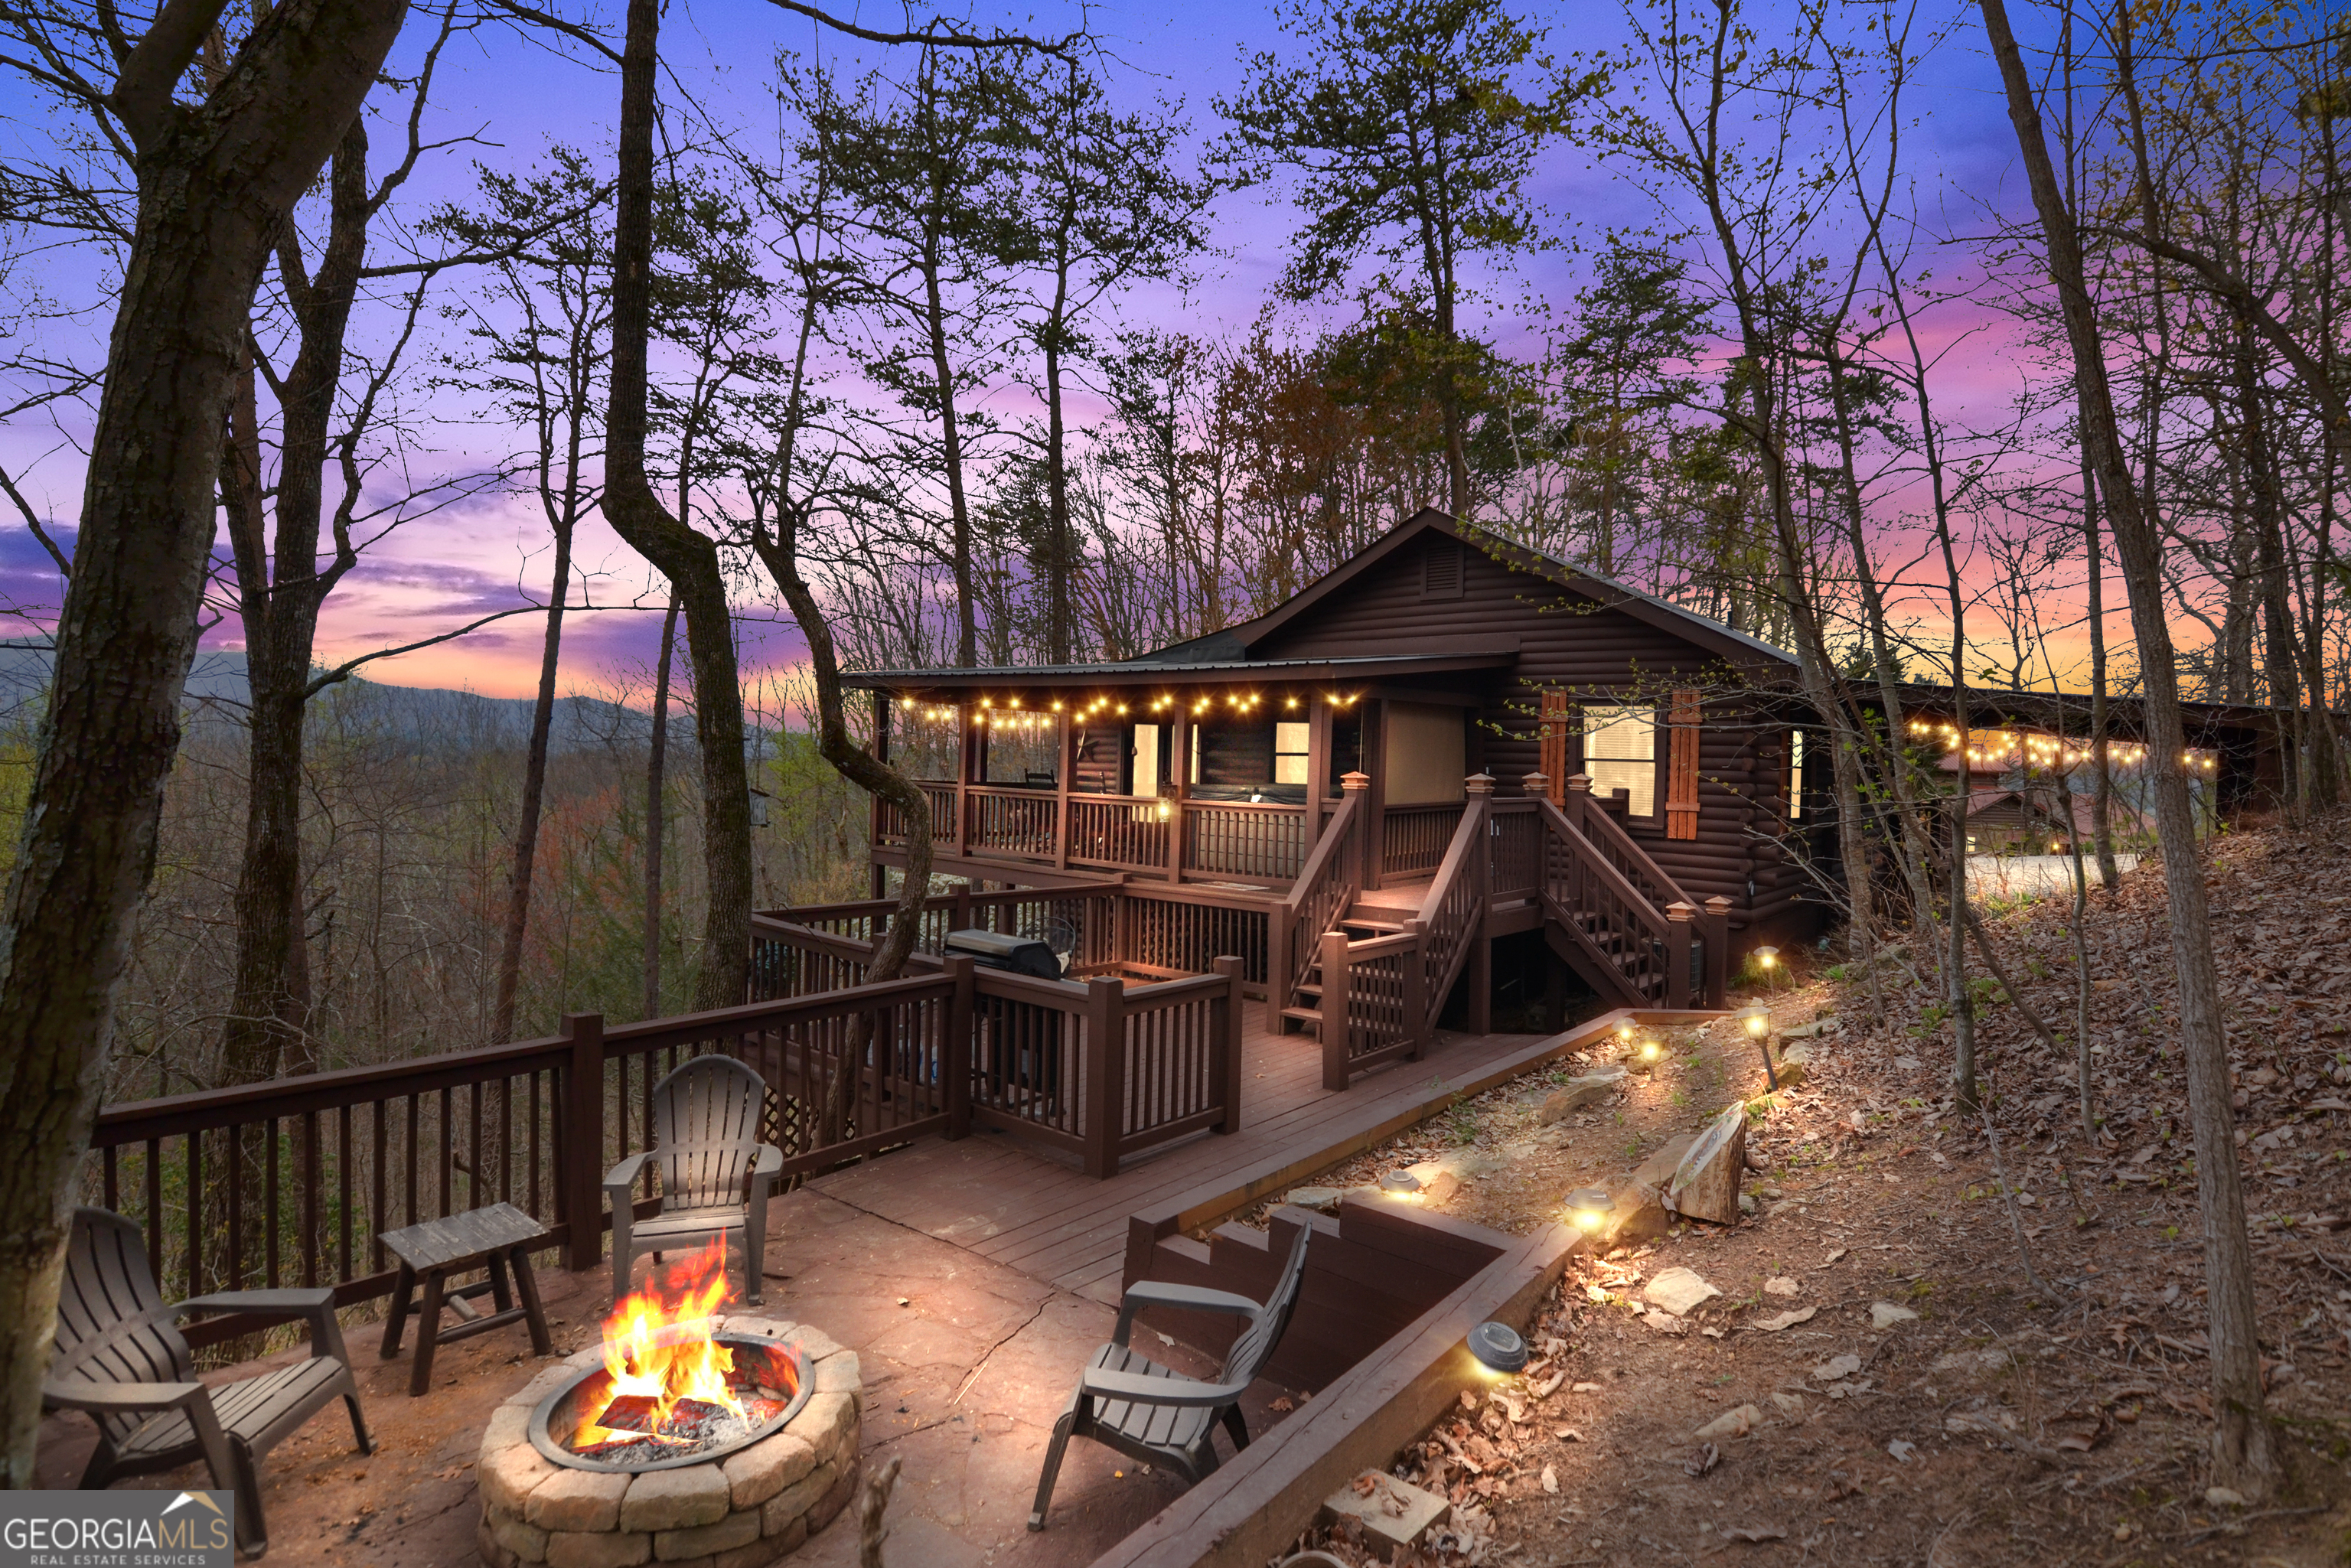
{"x":1232,"y":671}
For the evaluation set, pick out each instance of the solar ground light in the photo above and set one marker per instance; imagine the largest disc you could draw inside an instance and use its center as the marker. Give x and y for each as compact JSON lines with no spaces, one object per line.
{"x":1589,"y":1207}
{"x":1499,"y":1349}
{"x":1400,"y":1184}
{"x":1756,"y":1019}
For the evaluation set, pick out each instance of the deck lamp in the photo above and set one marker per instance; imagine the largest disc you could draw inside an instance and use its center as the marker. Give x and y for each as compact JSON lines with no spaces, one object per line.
{"x":1756,"y":1019}
{"x":1400,"y":1184}
{"x":1589,"y":1207}
{"x":1499,"y":1349}
{"x":1167,"y":808}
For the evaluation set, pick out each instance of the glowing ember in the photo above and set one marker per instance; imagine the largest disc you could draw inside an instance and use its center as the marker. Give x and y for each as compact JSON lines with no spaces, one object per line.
{"x":667,"y":1386}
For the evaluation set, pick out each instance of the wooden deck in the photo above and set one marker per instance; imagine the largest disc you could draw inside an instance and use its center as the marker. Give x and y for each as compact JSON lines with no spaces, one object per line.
{"x":1046,"y":1218}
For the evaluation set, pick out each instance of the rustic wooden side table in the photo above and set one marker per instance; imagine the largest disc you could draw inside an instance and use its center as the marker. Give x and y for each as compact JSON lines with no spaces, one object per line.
{"x":496,"y":1238}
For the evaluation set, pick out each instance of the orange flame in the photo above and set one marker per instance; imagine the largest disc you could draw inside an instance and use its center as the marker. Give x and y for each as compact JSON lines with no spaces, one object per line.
{"x":657,"y":1346}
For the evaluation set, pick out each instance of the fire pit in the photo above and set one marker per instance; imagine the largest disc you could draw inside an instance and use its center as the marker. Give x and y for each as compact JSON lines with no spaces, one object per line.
{"x":686,"y":1438}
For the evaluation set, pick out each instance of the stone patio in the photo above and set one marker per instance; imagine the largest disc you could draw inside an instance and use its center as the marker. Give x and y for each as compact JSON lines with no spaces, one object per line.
{"x":963,"y":1381}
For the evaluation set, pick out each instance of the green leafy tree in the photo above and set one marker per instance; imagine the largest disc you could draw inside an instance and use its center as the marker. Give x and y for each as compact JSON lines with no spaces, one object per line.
{"x":1409,"y":128}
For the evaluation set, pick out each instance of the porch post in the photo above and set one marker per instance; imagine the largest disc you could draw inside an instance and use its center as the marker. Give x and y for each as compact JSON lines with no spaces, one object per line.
{"x":583,"y":1150}
{"x":955,"y":1052}
{"x":967,"y":739}
{"x":1226,"y":1021}
{"x":1318,"y":767}
{"x":1179,"y":778}
{"x":1375,"y":804}
{"x":1335,"y":1011}
{"x":1479,"y":807}
{"x":1359,"y":786}
{"x":1105,"y":1061}
{"x":1061,"y":772}
{"x":1718,"y":949}
{"x":873,"y":803}
{"x":1678,"y":917}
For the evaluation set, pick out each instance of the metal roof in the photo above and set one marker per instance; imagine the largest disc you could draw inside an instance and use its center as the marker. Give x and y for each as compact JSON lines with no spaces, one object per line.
{"x":1143,"y":671}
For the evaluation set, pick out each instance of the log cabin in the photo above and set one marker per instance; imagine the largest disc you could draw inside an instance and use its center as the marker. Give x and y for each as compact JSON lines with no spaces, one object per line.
{"x":1543,"y":779}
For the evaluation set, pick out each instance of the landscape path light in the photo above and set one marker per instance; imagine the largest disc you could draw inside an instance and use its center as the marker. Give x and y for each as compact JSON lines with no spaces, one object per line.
{"x":1499,"y":1349}
{"x":1400,"y":1184}
{"x":1589,"y":1207}
{"x":1767,"y":960}
{"x":1756,"y":1019}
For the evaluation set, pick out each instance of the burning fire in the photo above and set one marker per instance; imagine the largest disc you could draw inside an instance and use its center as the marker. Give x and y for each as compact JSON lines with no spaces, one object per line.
{"x":668,"y":1379}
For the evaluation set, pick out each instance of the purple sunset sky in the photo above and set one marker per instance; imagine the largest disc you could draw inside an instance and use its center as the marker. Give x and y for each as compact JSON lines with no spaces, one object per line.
{"x":468,"y":559}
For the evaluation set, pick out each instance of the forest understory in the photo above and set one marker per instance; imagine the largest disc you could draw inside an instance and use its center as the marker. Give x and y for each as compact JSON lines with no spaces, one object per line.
{"x":1879,"y":1380}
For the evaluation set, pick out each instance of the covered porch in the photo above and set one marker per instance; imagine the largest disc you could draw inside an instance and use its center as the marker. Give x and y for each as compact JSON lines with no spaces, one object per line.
{"x":1221,"y":774}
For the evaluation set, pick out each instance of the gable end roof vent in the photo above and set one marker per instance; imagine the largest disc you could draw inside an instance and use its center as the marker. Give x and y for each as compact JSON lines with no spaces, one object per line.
{"x":1440,"y":571}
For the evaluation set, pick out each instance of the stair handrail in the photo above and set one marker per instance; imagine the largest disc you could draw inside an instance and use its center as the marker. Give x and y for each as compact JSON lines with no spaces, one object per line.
{"x":1454,"y":909}
{"x":1583,"y":849}
{"x":1325,"y":885}
{"x":1594,"y":823}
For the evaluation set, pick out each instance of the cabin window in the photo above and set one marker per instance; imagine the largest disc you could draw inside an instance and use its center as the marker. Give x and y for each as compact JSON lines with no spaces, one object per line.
{"x":1619,"y":752}
{"x":1290,"y":753}
{"x":1795,"y":774}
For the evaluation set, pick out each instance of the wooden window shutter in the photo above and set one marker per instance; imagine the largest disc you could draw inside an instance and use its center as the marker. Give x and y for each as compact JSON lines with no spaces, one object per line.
{"x":1681,"y":767}
{"x":1557,"y":722}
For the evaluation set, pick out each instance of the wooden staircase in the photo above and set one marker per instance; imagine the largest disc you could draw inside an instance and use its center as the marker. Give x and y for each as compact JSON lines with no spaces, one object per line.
{"x":1364,"y":923}
{"x":1608,"y":911}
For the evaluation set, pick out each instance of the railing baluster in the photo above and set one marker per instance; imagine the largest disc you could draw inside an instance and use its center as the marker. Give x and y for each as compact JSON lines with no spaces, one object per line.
{"x":195,"y":1197}
{"x":343,"y":1189}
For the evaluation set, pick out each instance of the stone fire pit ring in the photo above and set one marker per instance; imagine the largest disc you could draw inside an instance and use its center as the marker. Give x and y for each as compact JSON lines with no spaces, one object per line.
{"x":746,"y":1509}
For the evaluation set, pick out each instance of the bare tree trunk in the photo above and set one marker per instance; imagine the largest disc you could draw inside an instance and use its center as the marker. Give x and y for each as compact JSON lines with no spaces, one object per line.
{"x":688,"y":559}
{"x":656,"y":813}
{"x":2102,"y":797}
{"x":2244,"y":1455}
{"x":215,"y":182}
{"x":534,"y":794}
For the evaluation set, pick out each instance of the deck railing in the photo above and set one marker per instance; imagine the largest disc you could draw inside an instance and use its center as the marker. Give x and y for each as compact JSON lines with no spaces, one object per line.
{"x":1452,"y":915}
{"x":1514,"y":842}
{"x":292,"y":1182}
{"x":1262,"y":841}
{"x":1120,"y":832}
{"x":1021,"y":912}
{"x":1375,"y":1006}
{"x":1414,"y":839}
{"x":1097,"y":1068}
{"x":1326,"y":886}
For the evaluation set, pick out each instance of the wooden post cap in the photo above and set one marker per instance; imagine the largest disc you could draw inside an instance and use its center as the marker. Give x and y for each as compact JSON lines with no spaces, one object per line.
{"x":1580,"y":783}
{"x":1355,"y":781}
{"x":1478,"y":784}
{"x":1680,"y":910}
{"x":1718,"y":904}
{"x":1535,"y":783}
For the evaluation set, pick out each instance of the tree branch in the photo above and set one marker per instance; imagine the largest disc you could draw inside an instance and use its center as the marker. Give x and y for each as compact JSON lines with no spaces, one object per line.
{"x":33,"y":521}
{"x":142,"y":88}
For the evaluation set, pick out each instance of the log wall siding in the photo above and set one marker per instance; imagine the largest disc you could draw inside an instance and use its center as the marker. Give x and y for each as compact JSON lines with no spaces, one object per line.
{"x":1569,"y":640}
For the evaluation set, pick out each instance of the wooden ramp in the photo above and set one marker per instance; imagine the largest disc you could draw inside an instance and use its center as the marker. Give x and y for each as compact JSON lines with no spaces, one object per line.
{"x":1047,"y":1218}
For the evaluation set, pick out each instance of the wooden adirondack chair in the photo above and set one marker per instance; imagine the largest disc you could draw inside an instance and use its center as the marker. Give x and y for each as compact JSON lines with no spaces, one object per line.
{"x":120,"y":1359}
{"x":715,"y":1171}
{"x":1158,"y":1415}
